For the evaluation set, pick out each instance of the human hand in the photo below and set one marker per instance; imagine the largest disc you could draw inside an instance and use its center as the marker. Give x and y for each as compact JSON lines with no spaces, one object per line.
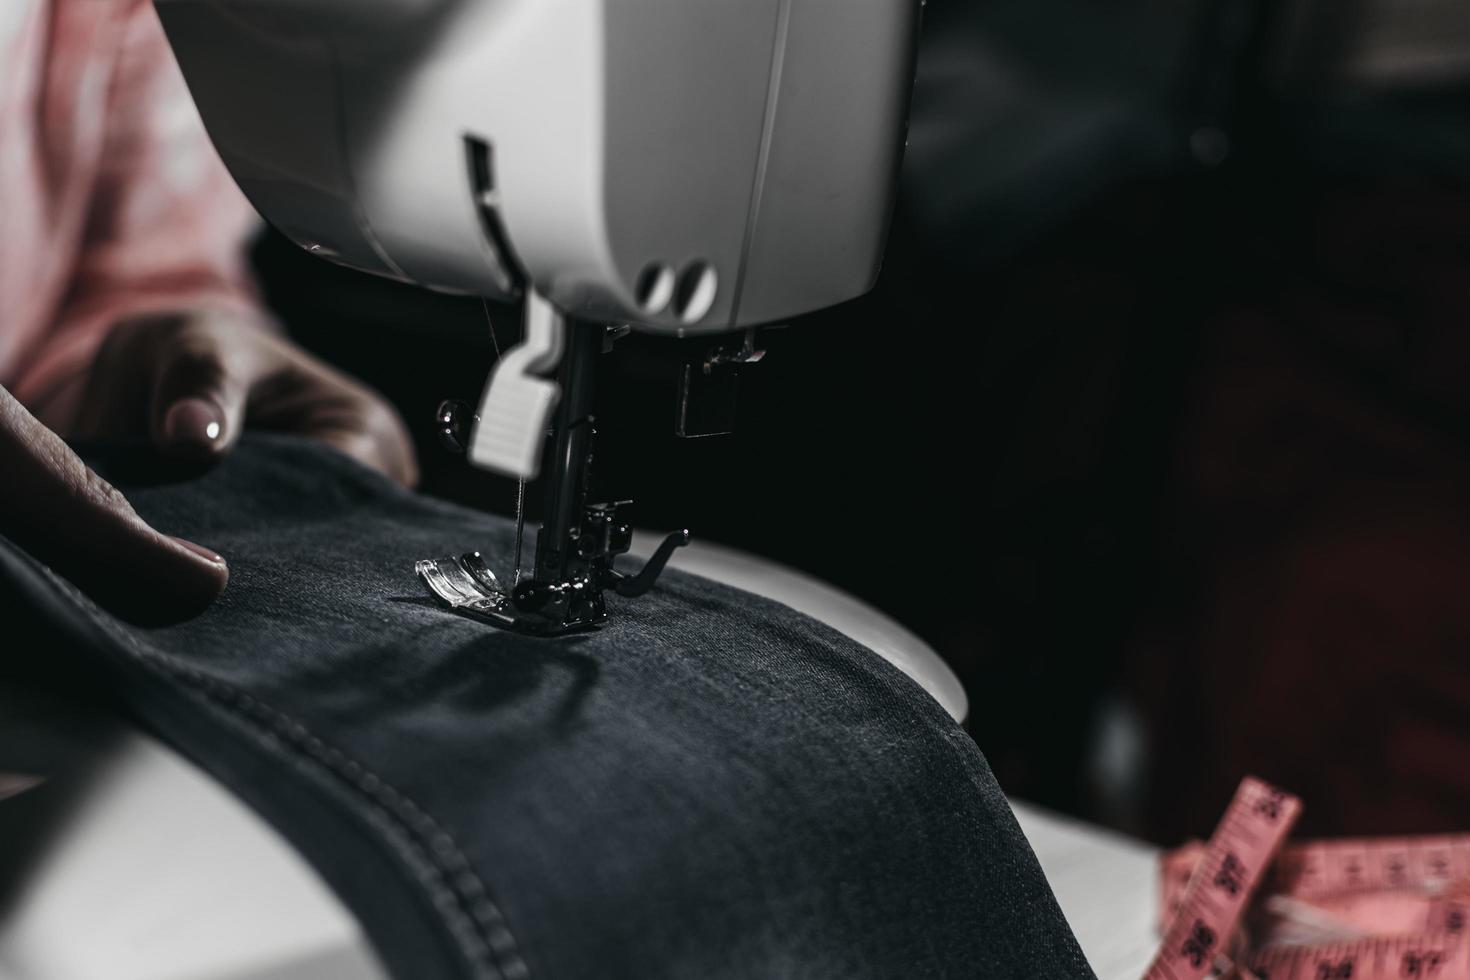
{"x":193,"y":382}
{"x":67,"y":516}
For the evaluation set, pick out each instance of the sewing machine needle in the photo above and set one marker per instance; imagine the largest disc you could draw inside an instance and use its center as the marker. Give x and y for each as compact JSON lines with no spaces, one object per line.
{"x":520,"y":484}
{"x":520,"y":529}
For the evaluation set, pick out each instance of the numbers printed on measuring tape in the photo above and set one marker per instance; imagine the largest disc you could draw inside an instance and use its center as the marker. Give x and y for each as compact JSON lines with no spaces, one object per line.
{"x":1231,"y":874}
{"x":1417,"y":963}
{"x":1197,"y":948}
{"x":1419,"y":888}
{"x":1271,"y":805}
{"x":1403,"y":957}
{"x":1210,"y":904}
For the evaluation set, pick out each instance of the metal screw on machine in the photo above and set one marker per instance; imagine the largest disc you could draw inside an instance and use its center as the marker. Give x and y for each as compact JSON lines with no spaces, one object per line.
{"x":454,"y":420}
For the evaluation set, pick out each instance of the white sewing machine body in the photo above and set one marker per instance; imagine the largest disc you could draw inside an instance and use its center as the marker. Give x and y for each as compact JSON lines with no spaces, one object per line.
{"x":677,"y":166}
{"x":680,"y":165}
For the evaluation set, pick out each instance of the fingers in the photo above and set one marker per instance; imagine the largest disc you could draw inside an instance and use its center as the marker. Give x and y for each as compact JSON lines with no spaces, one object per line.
{"x":204,"y":375}
{"x":379,"y":440}
{"x":182,"y":378}
{"x":216,"y":370}
{"x":65,"y":515}
{"x":307,"y":397}
{"x":199,"y":378}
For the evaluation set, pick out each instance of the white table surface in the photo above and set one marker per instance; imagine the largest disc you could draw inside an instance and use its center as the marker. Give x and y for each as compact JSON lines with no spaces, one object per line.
{"x":1107,"y":886}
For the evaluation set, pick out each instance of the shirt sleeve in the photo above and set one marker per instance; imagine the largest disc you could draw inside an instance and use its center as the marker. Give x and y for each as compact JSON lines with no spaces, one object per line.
{"x":166,"y":227}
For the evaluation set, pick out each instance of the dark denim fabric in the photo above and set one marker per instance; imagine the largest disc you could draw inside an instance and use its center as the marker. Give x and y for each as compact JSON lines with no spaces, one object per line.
{"x":712,"y":786}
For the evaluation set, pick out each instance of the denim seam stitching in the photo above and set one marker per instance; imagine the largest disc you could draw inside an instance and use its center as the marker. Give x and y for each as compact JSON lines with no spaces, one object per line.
{"x":464,"y":901}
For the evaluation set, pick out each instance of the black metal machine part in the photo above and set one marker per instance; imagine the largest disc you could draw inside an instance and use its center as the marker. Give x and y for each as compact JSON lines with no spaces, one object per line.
{"x":579,"y":541}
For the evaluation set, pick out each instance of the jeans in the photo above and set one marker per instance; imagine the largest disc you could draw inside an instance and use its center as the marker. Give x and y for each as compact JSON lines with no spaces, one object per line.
{"x":711,"y":786}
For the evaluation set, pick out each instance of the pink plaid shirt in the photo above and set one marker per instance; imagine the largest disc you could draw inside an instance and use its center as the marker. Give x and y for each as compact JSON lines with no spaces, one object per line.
{"x":112,"y":201}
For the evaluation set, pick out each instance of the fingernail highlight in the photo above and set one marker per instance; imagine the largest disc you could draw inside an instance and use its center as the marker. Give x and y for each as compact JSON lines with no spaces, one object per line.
{"x":195,"y":422}
{"x":201,"y":551}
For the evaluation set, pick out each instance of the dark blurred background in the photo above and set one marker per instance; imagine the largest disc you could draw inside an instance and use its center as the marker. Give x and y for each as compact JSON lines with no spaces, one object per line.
{"x":1156,"y":425}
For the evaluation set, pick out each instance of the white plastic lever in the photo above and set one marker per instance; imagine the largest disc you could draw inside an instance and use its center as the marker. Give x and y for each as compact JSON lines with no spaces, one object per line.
{"x":515,"y":411}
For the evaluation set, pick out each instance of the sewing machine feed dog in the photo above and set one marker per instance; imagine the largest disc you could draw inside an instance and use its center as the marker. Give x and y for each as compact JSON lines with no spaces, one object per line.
{"x":683,"y":167}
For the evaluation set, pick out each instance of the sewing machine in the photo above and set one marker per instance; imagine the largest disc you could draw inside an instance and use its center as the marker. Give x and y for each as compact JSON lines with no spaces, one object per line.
{"x":684,"y":167}
{"x":689,"y":167}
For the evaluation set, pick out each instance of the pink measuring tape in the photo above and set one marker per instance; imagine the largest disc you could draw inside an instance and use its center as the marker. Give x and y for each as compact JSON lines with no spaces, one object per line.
{"x":1245,"y":905}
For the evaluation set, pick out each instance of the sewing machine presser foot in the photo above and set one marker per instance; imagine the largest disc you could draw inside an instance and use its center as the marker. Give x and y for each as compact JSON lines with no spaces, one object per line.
{"x":466,"y":584}
{"x":578,"y":542}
